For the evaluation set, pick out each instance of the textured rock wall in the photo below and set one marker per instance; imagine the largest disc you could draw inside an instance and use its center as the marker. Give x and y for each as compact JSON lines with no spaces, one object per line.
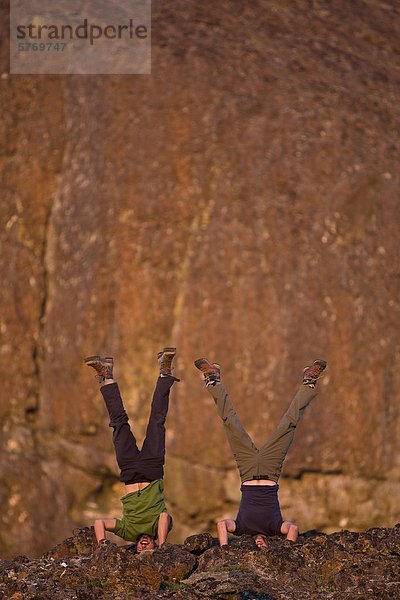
{"x":240,"y":203}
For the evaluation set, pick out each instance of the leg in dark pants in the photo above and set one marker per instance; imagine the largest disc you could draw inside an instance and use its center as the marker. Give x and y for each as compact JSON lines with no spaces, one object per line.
{"x":148,"y":464}
{"x":152,"y":455}
{"x":154,"y":443}
{"x":126,"y":450}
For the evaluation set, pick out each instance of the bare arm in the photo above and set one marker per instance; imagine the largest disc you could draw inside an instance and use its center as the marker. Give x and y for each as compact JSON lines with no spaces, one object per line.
{"x":222,"y":528}
{"x":101,"y":526}
{"x":162,"y":529}
{"x":291,"y":530}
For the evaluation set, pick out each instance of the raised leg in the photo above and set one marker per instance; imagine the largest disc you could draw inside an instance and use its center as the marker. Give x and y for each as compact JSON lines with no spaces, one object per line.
{"x":243,"y":449}
{"x":152,"y":455}
{"x":273,"y":452}
{"x":126,"y":450}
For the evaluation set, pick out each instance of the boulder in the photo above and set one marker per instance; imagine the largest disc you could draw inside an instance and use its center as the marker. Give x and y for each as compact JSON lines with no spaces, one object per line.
{"x":199,"y":543}
{"x":344,"y":565}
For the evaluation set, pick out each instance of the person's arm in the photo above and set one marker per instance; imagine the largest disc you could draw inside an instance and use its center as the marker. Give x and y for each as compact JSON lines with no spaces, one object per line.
{"x":163,"y":526}
{"x":101,"y":526}
{"x":291,"y":530}
{"x":222,"y":528}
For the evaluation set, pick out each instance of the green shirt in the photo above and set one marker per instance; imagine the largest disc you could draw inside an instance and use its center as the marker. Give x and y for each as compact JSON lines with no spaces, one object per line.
{"x":140,"y":512}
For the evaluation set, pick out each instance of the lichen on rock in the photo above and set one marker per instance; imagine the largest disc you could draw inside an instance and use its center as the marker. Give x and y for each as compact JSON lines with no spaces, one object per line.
{"x":343,"y":565}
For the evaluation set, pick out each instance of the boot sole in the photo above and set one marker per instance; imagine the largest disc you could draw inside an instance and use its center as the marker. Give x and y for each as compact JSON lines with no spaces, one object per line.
{"x":322,"y":364}
{"x":90,"y":359}
{"x":203,"y":361}
{"x":200,"y":362}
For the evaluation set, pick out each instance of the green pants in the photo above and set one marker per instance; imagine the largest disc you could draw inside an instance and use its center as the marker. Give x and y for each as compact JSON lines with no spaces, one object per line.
{"x":265,"y":462}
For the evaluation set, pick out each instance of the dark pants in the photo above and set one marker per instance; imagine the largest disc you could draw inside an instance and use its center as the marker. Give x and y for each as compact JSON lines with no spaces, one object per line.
{"x":146,"y":464}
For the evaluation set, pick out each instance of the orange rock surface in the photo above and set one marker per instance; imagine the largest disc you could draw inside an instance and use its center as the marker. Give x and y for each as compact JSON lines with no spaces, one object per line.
{"x":240,"y":203}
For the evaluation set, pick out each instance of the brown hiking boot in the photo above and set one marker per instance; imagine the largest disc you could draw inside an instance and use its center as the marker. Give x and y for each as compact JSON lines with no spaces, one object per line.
{"x":314,"y":372}
{"x":102,"y":366}
{"x":165,"y":359}
{"x":211,"y":371}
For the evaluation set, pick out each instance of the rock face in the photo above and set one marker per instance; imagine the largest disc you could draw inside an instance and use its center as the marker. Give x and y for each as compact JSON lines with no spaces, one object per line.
{"x":342,"y":565}
{"x":240,"y":203}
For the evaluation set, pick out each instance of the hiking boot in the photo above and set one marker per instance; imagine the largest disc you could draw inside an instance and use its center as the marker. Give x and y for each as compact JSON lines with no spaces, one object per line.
{"x":211,"y":371}
{"x":102,"y":366}
{"x":165,"y":359}
{"x":314,"y":372}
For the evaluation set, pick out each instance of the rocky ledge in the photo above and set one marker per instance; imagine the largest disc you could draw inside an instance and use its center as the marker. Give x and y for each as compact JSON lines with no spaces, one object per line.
{"x":341,"y":565}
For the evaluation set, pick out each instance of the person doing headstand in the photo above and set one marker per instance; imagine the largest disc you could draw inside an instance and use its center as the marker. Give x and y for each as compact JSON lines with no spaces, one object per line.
{"x":259,"y":512}
{"x":145,"y":518}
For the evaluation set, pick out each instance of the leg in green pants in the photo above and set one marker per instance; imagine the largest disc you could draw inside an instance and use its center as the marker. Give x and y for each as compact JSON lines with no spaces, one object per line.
{"x":266,"y":462}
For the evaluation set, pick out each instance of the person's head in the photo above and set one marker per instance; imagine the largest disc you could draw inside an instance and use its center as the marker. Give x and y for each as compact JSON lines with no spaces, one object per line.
{"x":145,"y":542}
{"x":260,"y":540}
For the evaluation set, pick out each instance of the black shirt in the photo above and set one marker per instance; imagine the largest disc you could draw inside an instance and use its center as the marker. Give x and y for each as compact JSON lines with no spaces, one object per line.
{"x":259,"y":511}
